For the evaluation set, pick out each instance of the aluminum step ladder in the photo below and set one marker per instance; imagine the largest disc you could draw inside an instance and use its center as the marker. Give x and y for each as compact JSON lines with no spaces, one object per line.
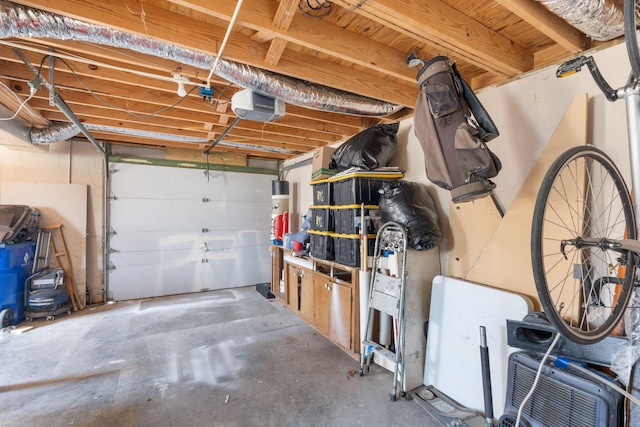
{"x":387,"y":294}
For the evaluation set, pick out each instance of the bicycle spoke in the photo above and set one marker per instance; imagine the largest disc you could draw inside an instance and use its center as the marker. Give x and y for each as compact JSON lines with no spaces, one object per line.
{"x":582,"y":201}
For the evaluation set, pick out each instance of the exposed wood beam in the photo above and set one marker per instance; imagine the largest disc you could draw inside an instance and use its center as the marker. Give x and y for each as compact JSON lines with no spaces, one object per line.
{"x":282,"y":20}
{"x":276,"y":48}
{"x":448,"y":28}
{"x":92,"y":115}
{"x":163,"y":25}
{"x":151,"y":99}
{"x":12,"y":102}
{"x":556,"y":28}
{"x":314,"y":34}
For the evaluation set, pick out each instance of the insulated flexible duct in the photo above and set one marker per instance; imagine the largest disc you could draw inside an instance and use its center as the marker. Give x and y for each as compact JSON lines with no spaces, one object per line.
{"x":599,"y":19}
{"x":22,"y":21}
{"x":62,"y":131}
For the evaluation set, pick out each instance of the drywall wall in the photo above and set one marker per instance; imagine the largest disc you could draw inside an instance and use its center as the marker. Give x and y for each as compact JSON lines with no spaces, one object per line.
{"x":527,"y":112}
{"x":62,"y":163}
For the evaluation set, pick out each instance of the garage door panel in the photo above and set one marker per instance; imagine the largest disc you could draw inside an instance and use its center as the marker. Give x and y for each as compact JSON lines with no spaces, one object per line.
{"x":168,"y":241}
{"x":214,"y":240}
{"x":239,"y":255}
{"x":184,"y":277}
{"x":193,"y":186}
{"x":153,"y":215}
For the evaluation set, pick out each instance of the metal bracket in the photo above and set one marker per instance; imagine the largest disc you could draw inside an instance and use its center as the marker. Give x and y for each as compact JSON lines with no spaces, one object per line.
{"x":52,"y":73}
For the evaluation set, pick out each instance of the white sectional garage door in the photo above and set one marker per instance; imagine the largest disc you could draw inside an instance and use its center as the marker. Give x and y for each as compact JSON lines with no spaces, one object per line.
{"x":177,"y":232}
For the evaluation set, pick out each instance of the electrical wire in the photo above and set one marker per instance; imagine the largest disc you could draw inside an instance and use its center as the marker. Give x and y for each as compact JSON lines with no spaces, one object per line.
{"x":217,"y":101}
{"x":607,"y":383}
{"x":110,"y":105}
{"x":326,"y":5}
{"x":535,"y":381}
{"x":22,"y":104}
{"x":356,"y":6}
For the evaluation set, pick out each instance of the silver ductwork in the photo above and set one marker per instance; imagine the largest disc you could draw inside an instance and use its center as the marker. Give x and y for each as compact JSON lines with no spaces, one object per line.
{"x":599,"y":19}
{"x":23,"y":21}
{"x":62,"y":131}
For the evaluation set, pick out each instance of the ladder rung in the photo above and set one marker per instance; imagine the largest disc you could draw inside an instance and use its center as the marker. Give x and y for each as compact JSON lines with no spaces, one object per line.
{"x":379,"y":350}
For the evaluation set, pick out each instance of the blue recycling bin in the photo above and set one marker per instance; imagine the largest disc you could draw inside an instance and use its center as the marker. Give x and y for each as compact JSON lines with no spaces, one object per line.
{"x":16,"y":261}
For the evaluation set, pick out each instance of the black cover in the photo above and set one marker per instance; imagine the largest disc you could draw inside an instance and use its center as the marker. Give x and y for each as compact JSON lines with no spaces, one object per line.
{"x":47,"y":300}
{"x":409,"y":204}
{"x":370,"y":149}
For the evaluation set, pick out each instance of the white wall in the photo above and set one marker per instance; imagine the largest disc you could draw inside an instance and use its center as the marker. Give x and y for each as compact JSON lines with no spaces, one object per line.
{"x":526,"y":112}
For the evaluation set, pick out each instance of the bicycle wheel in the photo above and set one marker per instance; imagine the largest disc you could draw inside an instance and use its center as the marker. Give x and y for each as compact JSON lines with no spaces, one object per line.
{"x":631,"y":10}
{"x":584,"y":286}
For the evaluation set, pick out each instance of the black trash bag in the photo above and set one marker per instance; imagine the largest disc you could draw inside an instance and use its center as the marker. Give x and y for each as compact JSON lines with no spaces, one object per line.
{"x":370,"y":149}
{"x":409,"y":204}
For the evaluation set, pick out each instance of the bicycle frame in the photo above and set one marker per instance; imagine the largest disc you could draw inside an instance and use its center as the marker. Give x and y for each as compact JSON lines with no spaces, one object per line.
{"x":631,"y":95}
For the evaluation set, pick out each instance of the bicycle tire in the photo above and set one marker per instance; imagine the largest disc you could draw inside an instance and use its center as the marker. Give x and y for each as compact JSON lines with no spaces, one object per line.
{"x":630,"y":10}
{"x":582,"y":195}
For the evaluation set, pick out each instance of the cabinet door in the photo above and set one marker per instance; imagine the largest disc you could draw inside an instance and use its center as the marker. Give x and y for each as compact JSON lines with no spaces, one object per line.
{"x":306,"y":294}
{"x":291,"y":287}
{"x":333,"y":310}
{"x":340,"y":314}
{"x":321,"y":303}
{"x":276,"y":270}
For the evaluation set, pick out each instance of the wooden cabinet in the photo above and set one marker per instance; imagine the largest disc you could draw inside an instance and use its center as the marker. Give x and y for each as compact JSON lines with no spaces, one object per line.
{"x":306,"y":295}
{"x":299,"y":290}
{"x":277,"y":265}
{"x":323,"y":293}
{"x":333,"y":309}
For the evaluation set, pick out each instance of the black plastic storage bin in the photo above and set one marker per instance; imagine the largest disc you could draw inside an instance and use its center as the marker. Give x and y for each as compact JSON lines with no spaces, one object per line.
{"x":322,"y":245}
{"x":359,"y":188}
{"x":345,"y":219}
{"x":321,"y":218}
{"x":347,"y":248}
{"x":322,"y":192}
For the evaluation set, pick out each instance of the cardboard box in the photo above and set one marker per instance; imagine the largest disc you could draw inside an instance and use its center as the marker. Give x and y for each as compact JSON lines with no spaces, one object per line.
{"x":320,"y":166}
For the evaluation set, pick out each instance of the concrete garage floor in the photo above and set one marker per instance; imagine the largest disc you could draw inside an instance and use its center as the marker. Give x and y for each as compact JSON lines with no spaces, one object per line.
{"x":220,"y":358}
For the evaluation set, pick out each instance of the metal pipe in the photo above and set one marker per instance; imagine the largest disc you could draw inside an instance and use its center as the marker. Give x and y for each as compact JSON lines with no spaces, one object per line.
{"x":64,"y":108}
{"x":599,"y":19}
{"x":486,"y":377}
{"x":62,"y":131}
{"x":222,"y":135}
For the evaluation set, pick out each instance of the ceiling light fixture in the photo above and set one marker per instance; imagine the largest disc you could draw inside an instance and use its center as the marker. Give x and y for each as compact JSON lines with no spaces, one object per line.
{"x":181,"y":80}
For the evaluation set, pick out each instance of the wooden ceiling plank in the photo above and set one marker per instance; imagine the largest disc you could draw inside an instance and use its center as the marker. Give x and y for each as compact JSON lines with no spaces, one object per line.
{"x":285,"y":13}
{"x":276,"y":48}
{"x":548,"y":23}
{"x":435,"y":22}
{"x":263,"y":37}
{"x":172,"y":28}
{"x":282,"y":20}
{"x":125,"y":96}
{"x":248,"y":137}
{"x":168,"y":88}
{"x":129,"y":140}
{"x":167,"y":122}
{"x":12,"y":102}
{"x":314,"y":34}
